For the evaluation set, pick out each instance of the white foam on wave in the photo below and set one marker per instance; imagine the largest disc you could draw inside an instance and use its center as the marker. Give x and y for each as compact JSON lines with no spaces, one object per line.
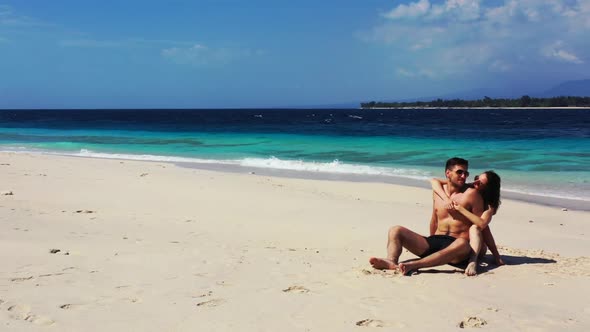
{"x":334,"y":167}
{"x":9,"y":148}
{"x":145,"y":157}
{"x":545,"y":193}
{"x":101,"y":155}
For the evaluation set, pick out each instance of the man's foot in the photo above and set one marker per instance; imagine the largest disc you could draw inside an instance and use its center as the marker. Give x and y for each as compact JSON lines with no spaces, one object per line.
{"x":382,"y":263}
{"x":471,"y":269}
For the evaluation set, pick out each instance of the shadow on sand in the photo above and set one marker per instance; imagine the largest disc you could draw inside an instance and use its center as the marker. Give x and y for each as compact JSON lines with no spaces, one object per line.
{"x":487,"y":264}
{"x":520,"y":260}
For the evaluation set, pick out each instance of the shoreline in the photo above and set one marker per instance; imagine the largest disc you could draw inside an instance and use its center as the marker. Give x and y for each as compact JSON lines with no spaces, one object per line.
{"x":559,"y":202}
{"x":564,"y":203}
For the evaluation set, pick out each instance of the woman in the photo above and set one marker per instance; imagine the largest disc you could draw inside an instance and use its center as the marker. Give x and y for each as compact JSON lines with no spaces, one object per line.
{"x":487,"y":185}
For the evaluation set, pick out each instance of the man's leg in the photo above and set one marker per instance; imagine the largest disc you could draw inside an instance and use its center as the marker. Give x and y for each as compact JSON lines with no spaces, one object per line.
{"x":454,"y":253}
{"x":476,"y":243}
{"x":398,"y":238}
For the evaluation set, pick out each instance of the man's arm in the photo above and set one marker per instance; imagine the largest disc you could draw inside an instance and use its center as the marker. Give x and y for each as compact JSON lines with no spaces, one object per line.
{"x":433,"y":218}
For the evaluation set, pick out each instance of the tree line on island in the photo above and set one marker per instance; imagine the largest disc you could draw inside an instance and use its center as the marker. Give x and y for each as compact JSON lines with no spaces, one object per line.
{"x":524,"y":101}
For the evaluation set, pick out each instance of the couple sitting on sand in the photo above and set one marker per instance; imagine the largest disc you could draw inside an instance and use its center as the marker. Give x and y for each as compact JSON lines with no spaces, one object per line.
{"x":459,"y":232}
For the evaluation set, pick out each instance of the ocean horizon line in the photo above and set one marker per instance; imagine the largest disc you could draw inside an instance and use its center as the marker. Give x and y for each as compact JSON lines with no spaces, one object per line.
{"x":292,"y":108}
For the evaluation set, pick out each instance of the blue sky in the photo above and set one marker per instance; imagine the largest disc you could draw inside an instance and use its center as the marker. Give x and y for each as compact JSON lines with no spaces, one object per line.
{"x":272,"y":53}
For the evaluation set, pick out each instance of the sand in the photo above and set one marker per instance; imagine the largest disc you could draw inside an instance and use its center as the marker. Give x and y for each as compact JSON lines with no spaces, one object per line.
{"x":111,"y":245}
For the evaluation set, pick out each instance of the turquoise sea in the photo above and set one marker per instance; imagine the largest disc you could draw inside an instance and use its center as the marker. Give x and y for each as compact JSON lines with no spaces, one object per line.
{"x":542,"y":155}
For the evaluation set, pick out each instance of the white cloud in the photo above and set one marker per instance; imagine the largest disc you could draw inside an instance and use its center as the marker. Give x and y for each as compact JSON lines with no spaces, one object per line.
{"x":532,"y":14}
{"x":579,"y":14}
{"x":90,"y":43}
{"x":461,"y":10}
{"x":179,"y":52}
{"x":463,"y":37}
{"x":200,"y":55}
{"x":414,"y":9}
{"x":420,"y":73}
{"x":130,"y":43}
{"x":499,"y":66}
{"x":9,"y":18}
{"x":468,"y":55}
{"x":406,"y":34}
{"x":502,"y":14}
{"x":557,"y":52}
{"x":194,"y":51}
{"x":142,"y":41}
{"x":422,"y":44}
{"x":404,"y":72}
{"x":539,"y":10}
{"x":566,"y":56}
{"x":6,"y":11}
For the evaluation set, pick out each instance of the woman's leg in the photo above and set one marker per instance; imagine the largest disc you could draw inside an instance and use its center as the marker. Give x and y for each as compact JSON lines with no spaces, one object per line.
{"x":476,"y":243}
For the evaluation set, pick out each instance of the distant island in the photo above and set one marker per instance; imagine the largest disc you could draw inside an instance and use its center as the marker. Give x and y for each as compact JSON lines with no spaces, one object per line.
{"x":524,"y":101}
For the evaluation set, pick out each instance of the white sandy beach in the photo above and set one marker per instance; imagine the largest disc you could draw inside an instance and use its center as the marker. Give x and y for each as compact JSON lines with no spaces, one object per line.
{"x":142,"y":246}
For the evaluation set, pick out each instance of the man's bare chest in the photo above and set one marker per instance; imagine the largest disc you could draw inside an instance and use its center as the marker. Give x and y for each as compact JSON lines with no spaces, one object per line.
{"x":451,"y":217}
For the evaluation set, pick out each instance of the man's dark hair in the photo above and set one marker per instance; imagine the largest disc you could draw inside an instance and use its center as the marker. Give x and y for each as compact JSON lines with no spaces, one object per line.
{"x":456,"y":161}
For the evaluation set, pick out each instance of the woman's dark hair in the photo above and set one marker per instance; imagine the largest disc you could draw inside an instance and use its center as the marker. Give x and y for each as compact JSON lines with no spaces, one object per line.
{"x":491,"y":191}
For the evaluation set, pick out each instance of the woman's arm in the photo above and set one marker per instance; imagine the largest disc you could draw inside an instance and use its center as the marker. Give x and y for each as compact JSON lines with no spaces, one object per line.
{"x":488,"y":238}
{"x":481,"y":222}
{"x":437,"y":187}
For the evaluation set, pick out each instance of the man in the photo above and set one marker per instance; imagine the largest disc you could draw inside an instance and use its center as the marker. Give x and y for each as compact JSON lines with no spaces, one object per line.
{"x":449,"y":230}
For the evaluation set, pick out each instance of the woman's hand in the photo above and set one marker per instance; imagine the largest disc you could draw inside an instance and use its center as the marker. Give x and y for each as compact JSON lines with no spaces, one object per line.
{"x":457,"y":207}
{"x":448,"y":204}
